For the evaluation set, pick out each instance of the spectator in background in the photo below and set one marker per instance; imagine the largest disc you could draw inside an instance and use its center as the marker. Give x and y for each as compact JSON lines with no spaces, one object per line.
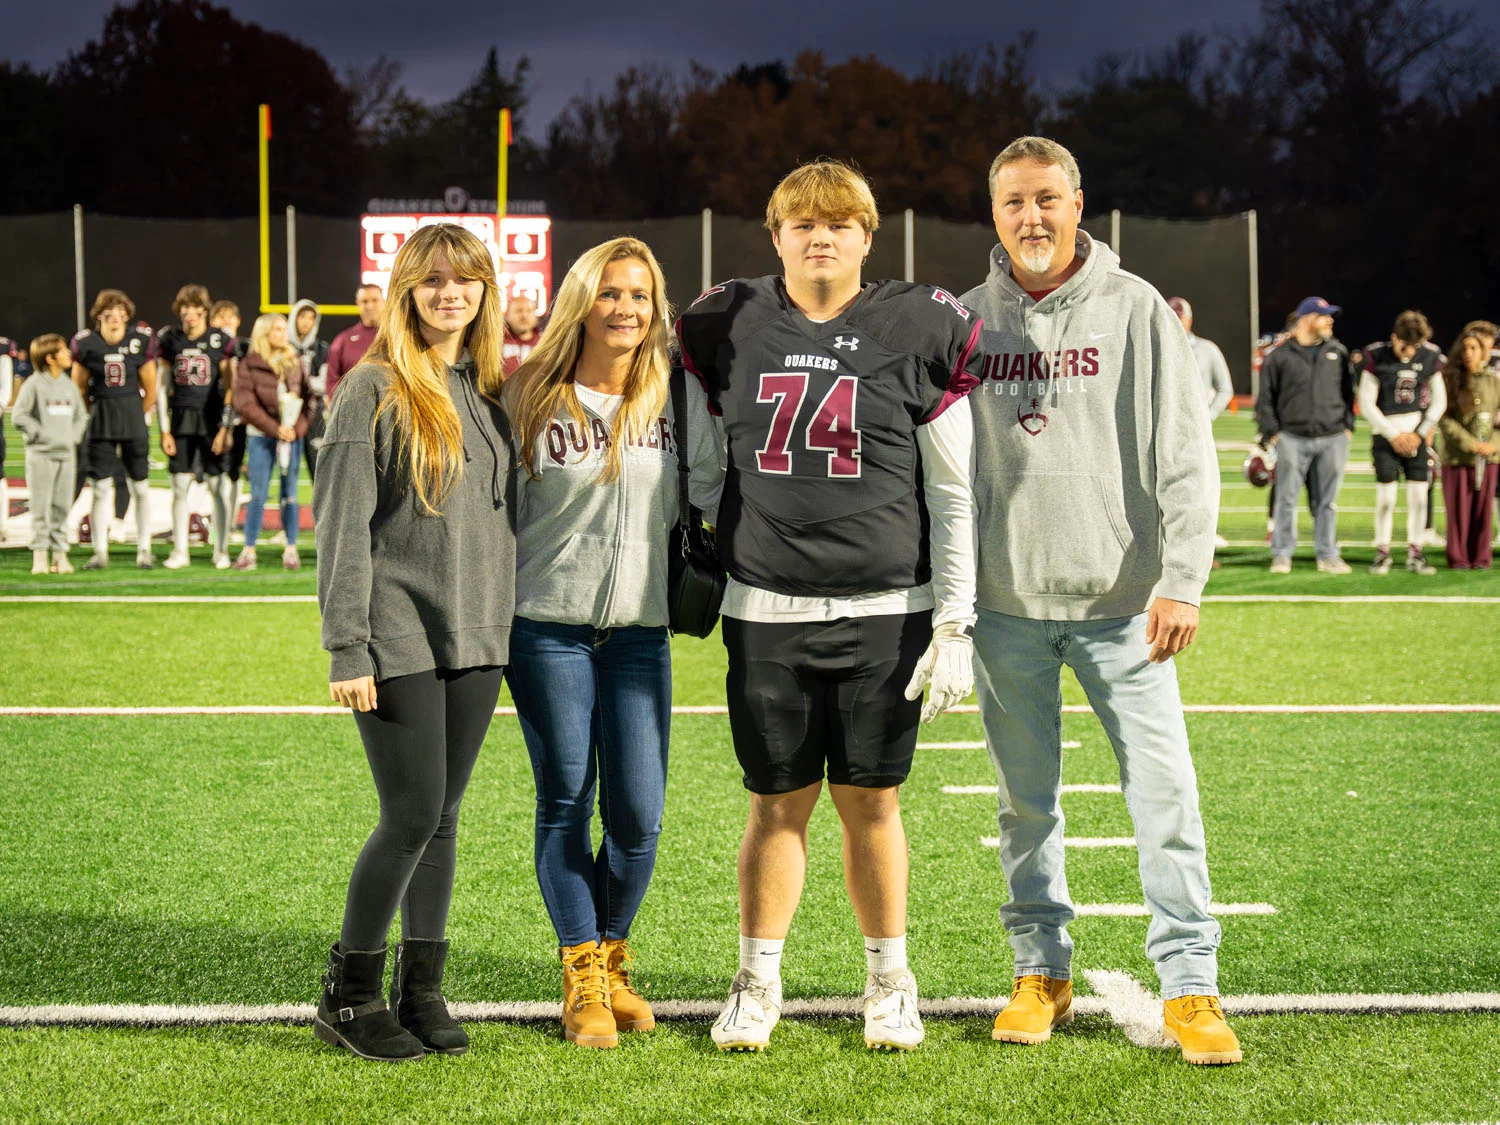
{"x":115,"y":370}
{"x":350,"y":345}
{"x":1401,"y":395}
{"x":1306,"y":410}
{"x":1217,"y":386}
{"x":271,"y":395}
{"x":521,"y":331}
{"x":314,"y":352}
{"x":230,"y":443}
{"x":190,"y":405}
{"x":8,"y":391}
{"x":1469,"y":451}
{"x":52,"y":419}
{"x":1486,"y":332}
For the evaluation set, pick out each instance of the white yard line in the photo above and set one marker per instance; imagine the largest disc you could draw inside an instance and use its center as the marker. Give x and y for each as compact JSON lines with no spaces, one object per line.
{"x":720,"y":709}
{"x":1138,"y":909}
{"x":1119,"y":997}
{"x":159,"y":599}
{"x":1076,"y":841}
{"x":994,"y":790}
{"x":1355,"y":599}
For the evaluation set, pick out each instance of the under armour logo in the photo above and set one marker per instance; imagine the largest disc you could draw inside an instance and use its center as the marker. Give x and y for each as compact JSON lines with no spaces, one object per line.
{"x":852,"y":343}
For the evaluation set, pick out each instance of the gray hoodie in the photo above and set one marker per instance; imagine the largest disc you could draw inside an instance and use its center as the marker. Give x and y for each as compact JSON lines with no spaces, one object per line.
{"x":51,"y":416}
{"x":1096,"y":480}
{"x":595,"y":553}
{"x":314,"y":352}
{"x":400,"y":590}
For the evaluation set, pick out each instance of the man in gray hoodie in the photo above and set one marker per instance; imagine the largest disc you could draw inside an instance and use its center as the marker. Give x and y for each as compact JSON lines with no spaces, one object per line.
{"x":305,"y":320}
{"x":1096,"y":492}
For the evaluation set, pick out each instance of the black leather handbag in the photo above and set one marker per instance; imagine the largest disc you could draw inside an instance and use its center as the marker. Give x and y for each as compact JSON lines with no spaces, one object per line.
{"x":695,"y":579}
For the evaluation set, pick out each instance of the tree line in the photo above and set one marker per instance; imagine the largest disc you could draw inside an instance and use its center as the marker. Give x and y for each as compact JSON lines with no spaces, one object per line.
{"x":1361,"y":130}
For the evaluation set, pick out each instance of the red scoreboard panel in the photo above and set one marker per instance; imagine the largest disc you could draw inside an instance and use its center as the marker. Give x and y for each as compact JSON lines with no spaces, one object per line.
{"x":522,"y":249}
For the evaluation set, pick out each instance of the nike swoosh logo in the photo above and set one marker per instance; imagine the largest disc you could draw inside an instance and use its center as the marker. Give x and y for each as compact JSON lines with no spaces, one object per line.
{"x":1099,"y":335}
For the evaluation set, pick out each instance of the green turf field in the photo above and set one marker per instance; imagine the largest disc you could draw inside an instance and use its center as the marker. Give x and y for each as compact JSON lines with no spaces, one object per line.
{"x":194,"y":860}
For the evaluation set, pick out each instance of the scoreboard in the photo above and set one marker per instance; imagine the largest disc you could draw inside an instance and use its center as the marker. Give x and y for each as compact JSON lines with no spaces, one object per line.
{"x":521,"y":248}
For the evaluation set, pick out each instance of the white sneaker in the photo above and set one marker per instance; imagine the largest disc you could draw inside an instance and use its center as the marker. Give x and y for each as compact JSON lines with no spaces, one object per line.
{"x":221,"y":560}
{"x":176,"y":560}
{"x":1281,"y":564}
{"x":144,"y":561}
{"x":891,"y":1018}
{"x":1334,"y":566}
{"x":753,"y":1009}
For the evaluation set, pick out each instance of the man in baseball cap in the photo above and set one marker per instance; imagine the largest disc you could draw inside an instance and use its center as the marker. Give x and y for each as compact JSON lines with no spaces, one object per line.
{"x":1306,"y":409}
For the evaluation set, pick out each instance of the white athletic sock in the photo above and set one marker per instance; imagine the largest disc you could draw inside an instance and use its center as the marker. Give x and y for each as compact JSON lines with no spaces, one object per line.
{"x":182,"y":484}
{"x":218,"y":494}
{"x":99,"y":517}
{"x":1385,"y":514}
{"x":1416,"y":510}
{"x":140,"y":492}
{"x":4,"y":502}
{"x":232,"y":493}
{"x":884,"y":955}
{"x":762,"y":956}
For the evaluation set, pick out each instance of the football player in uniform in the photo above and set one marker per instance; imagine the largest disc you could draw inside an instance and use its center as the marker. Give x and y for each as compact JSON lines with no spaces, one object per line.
{"x":9,"y":354}
{"x":846,"y":529}
{"x":1401,"y":395}
{"x":115,"y":369}
{"x":225,"y":315}
{"x":190,"y":402}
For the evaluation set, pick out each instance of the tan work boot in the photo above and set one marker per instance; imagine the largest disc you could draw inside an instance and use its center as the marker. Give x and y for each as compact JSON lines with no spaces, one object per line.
{"x":630,"y":1009}
{"x":1197,"y":1024}
{"x":586,"y":1017}
{"x":1037,"y":1005}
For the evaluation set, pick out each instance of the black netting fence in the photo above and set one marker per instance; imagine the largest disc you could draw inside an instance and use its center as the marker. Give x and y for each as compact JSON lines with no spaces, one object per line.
{"x":1205,"y":261}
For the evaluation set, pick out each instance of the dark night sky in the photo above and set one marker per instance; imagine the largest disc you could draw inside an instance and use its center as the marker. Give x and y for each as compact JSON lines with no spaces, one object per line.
{"x":572,"y":44}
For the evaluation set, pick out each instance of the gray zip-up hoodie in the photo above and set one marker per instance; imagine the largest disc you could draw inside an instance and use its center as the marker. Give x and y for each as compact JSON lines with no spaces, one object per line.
{"x":50,"y":415}
{"x":1096,"y":481}
{"x":590,"y":552}
{"x":402,"y":591}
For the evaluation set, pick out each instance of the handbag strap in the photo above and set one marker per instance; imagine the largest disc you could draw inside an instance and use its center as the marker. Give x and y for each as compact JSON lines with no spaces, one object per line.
{"x":678,"y":383}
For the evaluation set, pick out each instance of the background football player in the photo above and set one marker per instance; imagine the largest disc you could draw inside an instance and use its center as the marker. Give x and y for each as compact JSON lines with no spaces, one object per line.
{"x":231,"y":438}
{"x":846,"y":529}
{"x":115,"y":369}
{"x":1401,"y":395}
{"x":190,"y":403}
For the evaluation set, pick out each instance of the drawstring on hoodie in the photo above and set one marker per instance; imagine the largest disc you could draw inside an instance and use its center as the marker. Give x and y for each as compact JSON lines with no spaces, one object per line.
{"x":496,"y":497}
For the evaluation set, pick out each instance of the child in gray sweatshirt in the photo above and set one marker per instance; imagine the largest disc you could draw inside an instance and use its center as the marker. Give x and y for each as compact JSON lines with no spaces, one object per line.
{"x":52,"y":419}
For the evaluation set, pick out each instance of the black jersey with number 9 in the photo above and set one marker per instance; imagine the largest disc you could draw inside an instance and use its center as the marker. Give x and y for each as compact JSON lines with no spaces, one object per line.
{"x":824,"y":488}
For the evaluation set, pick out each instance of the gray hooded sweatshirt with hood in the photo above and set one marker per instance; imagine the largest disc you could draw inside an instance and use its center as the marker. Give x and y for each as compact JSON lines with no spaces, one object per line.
{"x":1096,"y":481}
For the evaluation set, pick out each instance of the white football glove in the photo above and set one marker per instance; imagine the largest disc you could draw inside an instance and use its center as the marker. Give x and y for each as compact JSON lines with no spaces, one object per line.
{"x":946,"y":669}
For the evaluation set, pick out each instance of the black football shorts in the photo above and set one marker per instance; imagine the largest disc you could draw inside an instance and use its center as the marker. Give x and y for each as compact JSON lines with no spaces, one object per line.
{"x":1390,"y":465}
{"x":195,"y":454}
{"x":810,"y":699}
{"x":105,"y":455}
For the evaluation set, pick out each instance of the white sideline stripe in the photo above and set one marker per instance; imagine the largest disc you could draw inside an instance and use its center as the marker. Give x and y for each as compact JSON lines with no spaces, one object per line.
{"x":162,"y":599}
{"x":976,"y":745}
{"x":1367,"y":599}
{"x":1120,"y":998}
{"x":994,"y":790}
{"x":720,"y":709}
{"x":1076,"y":841}
{"x":1138,"y":909}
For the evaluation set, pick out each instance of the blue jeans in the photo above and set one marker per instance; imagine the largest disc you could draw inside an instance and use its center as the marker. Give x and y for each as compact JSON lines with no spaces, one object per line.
{"x":1320,"y":462}
{"x":261,"y":452}
{"x":595,"y":705}
{"x":1019,"y":662}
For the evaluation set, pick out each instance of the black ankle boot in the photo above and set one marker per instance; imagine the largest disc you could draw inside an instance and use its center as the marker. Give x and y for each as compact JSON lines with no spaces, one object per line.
{"x":351,"y":1013}
{"x":417,"y":997}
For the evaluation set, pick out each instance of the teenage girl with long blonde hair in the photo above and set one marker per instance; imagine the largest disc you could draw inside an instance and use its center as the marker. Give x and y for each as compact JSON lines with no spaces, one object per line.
{"x":416,"y":583}
{"x":592,"y":674}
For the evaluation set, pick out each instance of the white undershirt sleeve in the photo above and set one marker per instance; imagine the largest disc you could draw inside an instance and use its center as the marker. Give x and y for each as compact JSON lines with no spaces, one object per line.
{"x":946,"y":445}
{"x":1435,"y":408}
{"x":1368,"y":396}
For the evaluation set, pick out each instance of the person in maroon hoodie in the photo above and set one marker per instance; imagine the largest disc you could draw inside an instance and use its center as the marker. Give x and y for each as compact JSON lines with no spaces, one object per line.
{"x":522,"y":331}
{"x":272,"y":397}
{"x":350,"y":345}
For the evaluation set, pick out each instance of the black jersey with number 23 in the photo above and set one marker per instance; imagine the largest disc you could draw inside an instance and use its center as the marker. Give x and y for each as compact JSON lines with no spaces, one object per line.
{"x":824,"y":489}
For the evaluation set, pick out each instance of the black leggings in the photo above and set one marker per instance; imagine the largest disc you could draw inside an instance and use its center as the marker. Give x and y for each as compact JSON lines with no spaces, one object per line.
{"x":422,"y":741}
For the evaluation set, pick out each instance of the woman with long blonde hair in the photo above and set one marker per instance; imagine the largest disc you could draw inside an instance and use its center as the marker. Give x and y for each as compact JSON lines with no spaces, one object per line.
{"x":416,"y":567}
{"x":592,"y":672}
{"x":272,"y":399}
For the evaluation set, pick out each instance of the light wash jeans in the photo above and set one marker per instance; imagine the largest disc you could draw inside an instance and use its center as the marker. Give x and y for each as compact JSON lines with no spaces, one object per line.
{"x":1322,"y":459}
{"x":1018,"y":669}
{"x":261,"y":451}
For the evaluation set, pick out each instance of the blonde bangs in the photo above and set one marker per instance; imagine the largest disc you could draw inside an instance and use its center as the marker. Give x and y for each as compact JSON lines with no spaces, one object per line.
{"x":825,"y":189}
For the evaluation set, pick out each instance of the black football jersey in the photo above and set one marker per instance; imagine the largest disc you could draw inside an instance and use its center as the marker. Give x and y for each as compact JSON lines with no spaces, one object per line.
{"x":824,"y":488}
{"x":115,"y":369}
{"x":1405,"y":385}
{"x":191,"y":367}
